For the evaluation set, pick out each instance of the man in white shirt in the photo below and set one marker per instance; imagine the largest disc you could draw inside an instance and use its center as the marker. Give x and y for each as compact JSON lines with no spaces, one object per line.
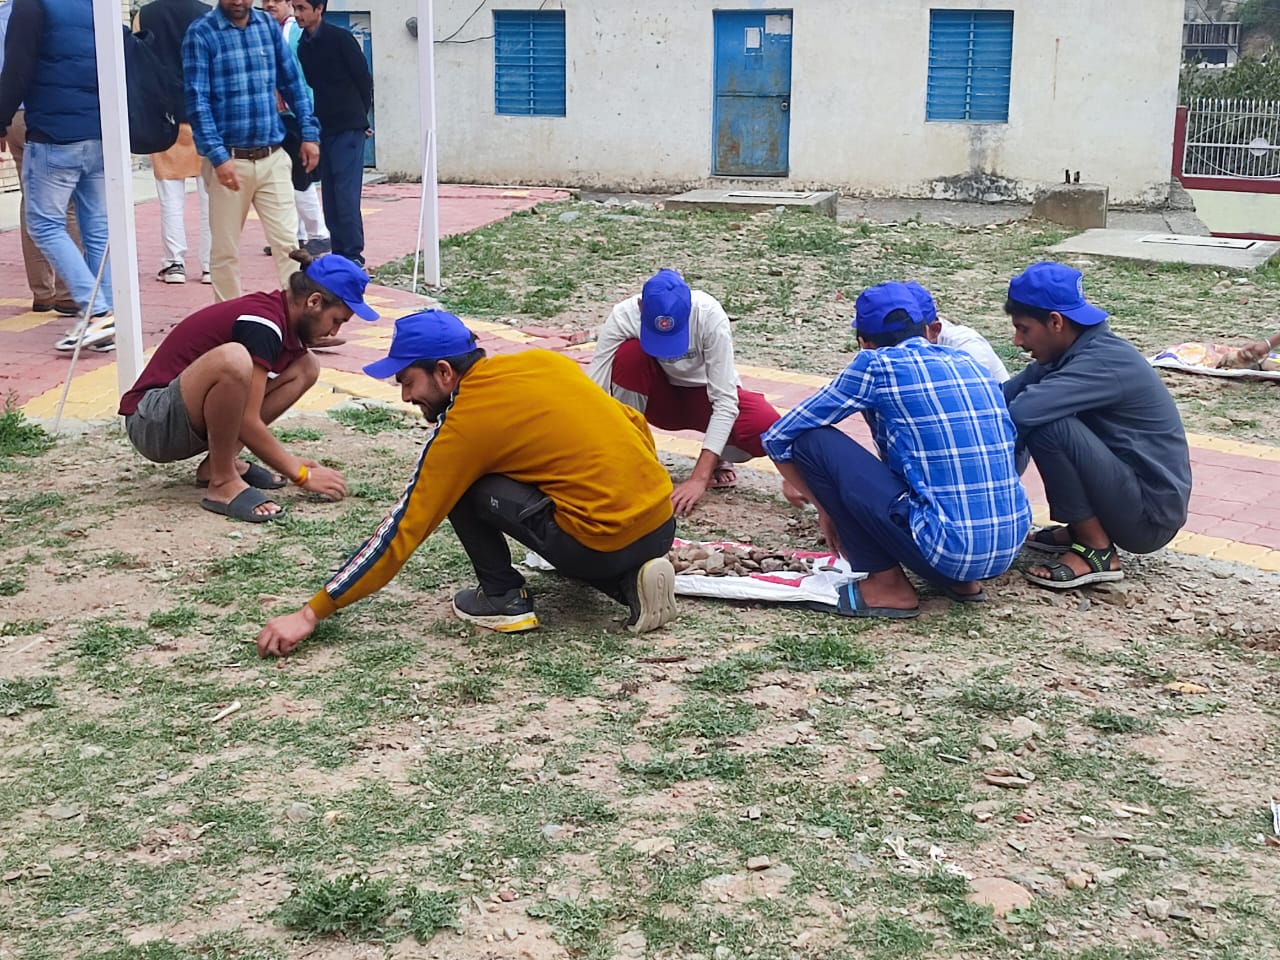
{"x":957,"y":335}
{"x":668,"y":353}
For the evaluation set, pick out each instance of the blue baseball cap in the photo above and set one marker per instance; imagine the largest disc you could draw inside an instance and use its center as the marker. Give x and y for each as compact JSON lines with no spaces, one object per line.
{"x":665,"y":303}
{"x":345,"y":280}
{"x":1057,"y":287}
{"x":928,"y":309}
{"x":875,"y":305}
{"x":428,"y":335}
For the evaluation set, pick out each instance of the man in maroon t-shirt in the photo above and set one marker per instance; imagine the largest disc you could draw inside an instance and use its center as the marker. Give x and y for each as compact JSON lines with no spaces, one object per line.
{"x":227,"y":371}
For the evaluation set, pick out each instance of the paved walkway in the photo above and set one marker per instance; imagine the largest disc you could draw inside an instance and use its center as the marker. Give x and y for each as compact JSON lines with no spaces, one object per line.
{"x":1235,"y":510}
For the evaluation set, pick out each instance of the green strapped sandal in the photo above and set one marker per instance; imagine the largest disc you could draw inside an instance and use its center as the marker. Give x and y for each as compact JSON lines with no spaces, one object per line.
{"x":1062,"y":577}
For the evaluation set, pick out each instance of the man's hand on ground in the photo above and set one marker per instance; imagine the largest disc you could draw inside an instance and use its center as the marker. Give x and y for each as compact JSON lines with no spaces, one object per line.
{"x":325,"y":481}
{"x":310,"y":155}
{"x":686,"y":494}
{"x":225,"y":173}
{"x":281,"y":636}
{"x":829,"y":534}
{"x":794,"y":496}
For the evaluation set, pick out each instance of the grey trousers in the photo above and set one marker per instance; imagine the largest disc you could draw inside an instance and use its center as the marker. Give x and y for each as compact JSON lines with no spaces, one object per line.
{"x":1083,"y":478}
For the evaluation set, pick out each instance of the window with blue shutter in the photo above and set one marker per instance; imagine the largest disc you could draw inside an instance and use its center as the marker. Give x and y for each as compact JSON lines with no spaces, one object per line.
{"x":970,"y":56}
{"x":528,"y":63}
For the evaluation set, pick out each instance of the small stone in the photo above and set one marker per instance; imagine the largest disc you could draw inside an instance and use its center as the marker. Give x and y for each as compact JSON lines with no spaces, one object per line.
{"x":554,"y":831}
{"x":722,"y":953}
{"x":988,"y":743}
{"x":1015,"y":844}
{"x":508,"y":896}
{"x":652,"y":846}
{"x":89,"y":751}
{"x":511,"y":933}
{"x":41,"y":871}
{"x":758,"y":863}
{"x":1024,"y":728}
{"x":1157,"y":909}
{"x":12,"y":876}
{"x":1078,"y":880}
{"x":299,"y":811}
{"x":330,"y":817}
{"x":570,"y":216}
{"x":62,"y":811}
{"x":1147,"y":852}
{"x":999,"y":894}
{"x":908,"y":712}
{"x":753,"y":813}
{"x":1107,"y":878}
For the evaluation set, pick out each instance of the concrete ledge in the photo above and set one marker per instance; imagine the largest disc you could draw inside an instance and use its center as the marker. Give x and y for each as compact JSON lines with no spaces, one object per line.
{"x":1079,"y":205}
{"x":1237,"y":255}
{"x":753,"y":201}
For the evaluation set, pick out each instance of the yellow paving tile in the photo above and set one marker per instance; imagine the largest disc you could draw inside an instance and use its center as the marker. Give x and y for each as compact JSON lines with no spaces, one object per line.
{"x":14,"y":301}
{"x":92,"y":397}
{"x":1242,"y":553}
{"x":29,"y":321}
{"x":1239,"y":448}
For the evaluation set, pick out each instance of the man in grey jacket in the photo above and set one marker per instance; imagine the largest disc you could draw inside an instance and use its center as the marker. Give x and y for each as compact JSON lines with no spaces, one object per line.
{"x":1101,"y":427}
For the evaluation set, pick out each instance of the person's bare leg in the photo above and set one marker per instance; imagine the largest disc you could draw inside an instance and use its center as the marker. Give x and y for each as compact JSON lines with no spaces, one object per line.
{"x":889,"y":588}
{"x":215,"y":389}
{"x":1089,"y":532}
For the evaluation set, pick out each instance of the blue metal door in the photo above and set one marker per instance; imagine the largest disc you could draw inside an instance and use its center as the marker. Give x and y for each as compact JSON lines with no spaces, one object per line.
{"x":752,"y":93}
{"x":358,"y":24}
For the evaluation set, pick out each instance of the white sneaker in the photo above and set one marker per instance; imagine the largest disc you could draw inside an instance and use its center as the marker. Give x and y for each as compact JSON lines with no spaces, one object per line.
{"x":206,"y":277}
{"x":99,"y":334}
{"x":172,"y":273}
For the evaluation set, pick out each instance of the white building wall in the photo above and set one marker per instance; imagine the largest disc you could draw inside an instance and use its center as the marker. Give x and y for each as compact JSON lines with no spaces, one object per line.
{"x":1094,"y":88}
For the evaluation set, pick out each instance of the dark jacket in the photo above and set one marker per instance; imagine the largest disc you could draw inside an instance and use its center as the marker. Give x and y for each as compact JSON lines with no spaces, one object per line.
{"x":168,"y":20}
{"x":341,"y":85}
{"x":1106,"y":383}
{"x":51,"y":67}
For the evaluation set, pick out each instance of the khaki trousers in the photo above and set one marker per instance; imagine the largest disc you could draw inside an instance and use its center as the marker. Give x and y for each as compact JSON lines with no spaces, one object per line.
{"x":45,"y":285}
{"x":267,"y":186}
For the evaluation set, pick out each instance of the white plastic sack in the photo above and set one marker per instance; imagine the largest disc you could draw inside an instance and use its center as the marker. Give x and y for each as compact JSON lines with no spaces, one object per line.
{"x":828,"y":573}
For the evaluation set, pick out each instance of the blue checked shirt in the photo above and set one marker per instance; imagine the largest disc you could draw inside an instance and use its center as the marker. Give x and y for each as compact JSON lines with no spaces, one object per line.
{"x":232,"y":75}
{"x":942,"y":426}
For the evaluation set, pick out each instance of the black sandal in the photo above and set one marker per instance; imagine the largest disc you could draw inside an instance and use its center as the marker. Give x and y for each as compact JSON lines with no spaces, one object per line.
{"x":1062,"y":577}
{"x":1045,"y":540}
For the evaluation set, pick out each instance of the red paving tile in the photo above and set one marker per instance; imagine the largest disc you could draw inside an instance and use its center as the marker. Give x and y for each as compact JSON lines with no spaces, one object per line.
{"x":1236,"y":497}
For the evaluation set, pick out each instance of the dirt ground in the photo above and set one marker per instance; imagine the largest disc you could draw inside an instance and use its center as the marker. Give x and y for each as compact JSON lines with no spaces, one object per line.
{"x":750,"y":782}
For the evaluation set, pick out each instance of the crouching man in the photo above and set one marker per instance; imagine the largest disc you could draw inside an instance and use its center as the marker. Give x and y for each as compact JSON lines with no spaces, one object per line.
{"x":526,"y":446}
{"x":944,"y":500}
{"x":222,"y":375}
{"x":669,"y":354}
{"x":1101,"y":427}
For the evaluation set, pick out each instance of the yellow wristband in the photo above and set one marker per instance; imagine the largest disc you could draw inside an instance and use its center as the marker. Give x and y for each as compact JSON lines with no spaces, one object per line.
{"x":303,"y":473}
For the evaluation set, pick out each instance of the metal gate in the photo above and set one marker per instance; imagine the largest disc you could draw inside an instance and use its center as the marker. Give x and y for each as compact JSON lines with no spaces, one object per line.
{"x":1237,"y":139}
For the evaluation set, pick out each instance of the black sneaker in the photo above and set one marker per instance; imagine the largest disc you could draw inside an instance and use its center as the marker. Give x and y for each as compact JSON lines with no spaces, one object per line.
{"x":317,"y":247}
{"x":651,"y":594}
{"x":511,"y":612}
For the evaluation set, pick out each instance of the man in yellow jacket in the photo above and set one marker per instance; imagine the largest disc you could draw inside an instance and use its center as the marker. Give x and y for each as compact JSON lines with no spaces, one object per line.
{"x":526,"y":445}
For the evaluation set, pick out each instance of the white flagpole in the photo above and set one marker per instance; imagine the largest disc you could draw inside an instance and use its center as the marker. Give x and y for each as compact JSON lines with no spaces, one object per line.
{"x":430,"y":215}
{"x":118,"y":168}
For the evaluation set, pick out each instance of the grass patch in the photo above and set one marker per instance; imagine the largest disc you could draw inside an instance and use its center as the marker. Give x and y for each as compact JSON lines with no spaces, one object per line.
{"x":298,"y":434}
{"x":1112,"y":721}
{"x":986,"y":692}
{"x":565,"y":675}
{"x":711,"y":719}
{"x":467,"y":689}
{"x":22,"y":694}
{"x":370,"y":420}
{"x":818,"y":652}
{"x":729,"y":676}
{"x":666,"y":769}
{"x":359,"y":907}
{"x":19,"y":437}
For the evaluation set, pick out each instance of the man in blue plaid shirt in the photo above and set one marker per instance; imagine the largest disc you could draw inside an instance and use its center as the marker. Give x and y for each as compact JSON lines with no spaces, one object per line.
{"x":234,"y":59}
{"x":945,"y":501}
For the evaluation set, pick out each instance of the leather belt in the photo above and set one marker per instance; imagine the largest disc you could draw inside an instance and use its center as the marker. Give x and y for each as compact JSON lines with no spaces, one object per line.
{"x":252,"y":153}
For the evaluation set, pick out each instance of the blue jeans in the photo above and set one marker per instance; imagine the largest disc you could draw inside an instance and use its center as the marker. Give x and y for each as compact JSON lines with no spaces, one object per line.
{"x":865,"y":500}
{"x":341,"y":179}
{"x":55,"y":174}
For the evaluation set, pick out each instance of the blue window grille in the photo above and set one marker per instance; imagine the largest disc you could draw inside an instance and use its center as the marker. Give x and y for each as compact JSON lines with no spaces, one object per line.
{"x":970,"y":59}
{"x":528,"y":63}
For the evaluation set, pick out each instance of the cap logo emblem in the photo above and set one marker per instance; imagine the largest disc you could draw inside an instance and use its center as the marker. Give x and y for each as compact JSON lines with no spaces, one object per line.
{"x":1080,"y":286}
{"x":664,"y":324}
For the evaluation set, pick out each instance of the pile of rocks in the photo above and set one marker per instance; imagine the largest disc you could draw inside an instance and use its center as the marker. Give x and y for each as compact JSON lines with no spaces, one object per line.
{"x":707,"y":560}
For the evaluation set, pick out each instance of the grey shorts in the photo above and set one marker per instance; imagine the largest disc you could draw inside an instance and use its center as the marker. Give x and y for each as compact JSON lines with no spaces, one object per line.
{"x":160,"y":427}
